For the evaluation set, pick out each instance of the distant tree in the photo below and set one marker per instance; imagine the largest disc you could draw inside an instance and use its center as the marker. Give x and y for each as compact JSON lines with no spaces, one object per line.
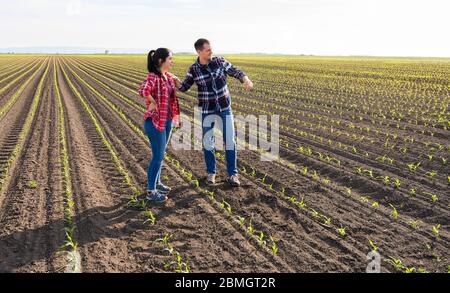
{"x":106,"y":52}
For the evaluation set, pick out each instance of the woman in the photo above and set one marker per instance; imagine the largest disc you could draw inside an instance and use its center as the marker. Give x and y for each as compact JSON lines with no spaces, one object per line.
{"x":163,"y":111}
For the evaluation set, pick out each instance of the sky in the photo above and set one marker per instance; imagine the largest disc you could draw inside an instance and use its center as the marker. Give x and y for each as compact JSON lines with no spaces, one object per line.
{"x":317,"y":27}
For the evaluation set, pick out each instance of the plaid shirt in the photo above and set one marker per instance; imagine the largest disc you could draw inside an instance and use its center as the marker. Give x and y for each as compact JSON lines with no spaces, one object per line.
{"x":211,"y":80}
{"x":155,"y":86}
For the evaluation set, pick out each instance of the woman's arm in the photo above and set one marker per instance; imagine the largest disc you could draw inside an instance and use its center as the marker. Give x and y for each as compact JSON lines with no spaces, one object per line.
{"x":145,"y":90}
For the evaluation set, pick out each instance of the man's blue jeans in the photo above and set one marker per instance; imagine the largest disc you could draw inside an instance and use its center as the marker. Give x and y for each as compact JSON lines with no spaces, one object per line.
{"x":159,"y":142}
{"x":229,"y":138}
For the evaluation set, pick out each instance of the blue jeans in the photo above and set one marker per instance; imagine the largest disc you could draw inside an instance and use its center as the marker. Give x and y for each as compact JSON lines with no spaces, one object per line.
{"x":228,"y":138}
{"x":159,"y":142}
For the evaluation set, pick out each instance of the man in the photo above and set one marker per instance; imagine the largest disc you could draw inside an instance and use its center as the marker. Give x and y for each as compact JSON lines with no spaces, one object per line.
{"x":210,"y":75}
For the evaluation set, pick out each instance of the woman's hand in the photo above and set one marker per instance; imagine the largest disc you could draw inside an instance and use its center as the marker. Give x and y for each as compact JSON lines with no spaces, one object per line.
{"x":152,"y":106}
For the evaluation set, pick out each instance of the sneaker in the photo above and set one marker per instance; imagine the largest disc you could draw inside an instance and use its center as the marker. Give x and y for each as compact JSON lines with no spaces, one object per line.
{"x":234,"y":181}
{"x":163,"y":188}
{"x":156,"y":197}
{"x":211,"y":179}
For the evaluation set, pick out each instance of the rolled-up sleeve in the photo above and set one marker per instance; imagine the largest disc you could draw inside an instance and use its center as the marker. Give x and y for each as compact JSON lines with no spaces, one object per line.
{"x":188,"y":81}
{"x":145,"y":88}
{"x":233,"y":71}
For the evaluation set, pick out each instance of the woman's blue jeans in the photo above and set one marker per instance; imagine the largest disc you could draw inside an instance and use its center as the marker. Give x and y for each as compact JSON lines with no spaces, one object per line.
{"x":159,"y":142}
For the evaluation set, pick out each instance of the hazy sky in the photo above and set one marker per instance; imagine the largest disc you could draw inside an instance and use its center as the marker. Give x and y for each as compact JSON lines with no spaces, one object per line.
{"x":322,"y":27}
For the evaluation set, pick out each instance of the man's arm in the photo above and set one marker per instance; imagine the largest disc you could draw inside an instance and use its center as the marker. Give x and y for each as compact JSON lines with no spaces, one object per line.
{"x":186,"y":84}
{"x":237,"y":73}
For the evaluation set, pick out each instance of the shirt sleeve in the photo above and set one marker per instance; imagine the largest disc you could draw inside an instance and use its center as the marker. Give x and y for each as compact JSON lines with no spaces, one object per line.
{"x":233,"y":71}
{"x":188,"y":81}
{"x":146,"y":88}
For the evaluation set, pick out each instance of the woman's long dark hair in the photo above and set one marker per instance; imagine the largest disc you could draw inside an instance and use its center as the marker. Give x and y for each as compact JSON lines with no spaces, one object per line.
{"x":153,"y":64}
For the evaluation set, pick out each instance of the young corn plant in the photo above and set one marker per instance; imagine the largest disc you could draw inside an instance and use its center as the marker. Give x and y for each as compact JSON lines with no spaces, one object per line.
{"x":32,"y":184}
{"x":436,"y":229}
{"x":261,"y":240}
{"x":250,"y":228}
{"x":302,"y":204}
{"x":434,"y":197}
{"x":150,"y":217}
{"x":397,"y":263}
{"x":274,"y":246}
{"x":415,"y":223}
{"x":341,"y":231}
{"x":315,"y":213}
{"x":394,"y":213}
{"x":413,"y":167}
{"x":375,"y":204}
{"x":327,"y":221}
{"x":226,"y":206}
{"x":241,"y":221}
{"x":431,"y":174}
{"x":373,"y":246}
{"x":397,"y":183}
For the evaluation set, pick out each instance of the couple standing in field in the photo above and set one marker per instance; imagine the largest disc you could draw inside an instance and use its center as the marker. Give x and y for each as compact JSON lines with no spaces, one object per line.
{"x":163,"y":110}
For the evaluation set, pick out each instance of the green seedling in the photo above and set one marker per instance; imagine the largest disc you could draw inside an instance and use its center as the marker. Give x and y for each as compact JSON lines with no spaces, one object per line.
{"x":436,"y":229}
{"x":397,"y":183}
{"x":341,"y":231}
{"x":372,"y":244}
{"x":150,"y":218}
{"x":415,"y":223}
{"x":32,"y":184}
{"x":274,"y":246}
{"x":394,"y":213}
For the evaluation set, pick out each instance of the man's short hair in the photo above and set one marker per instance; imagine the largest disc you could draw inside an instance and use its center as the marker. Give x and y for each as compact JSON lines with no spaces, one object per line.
{"x":199,"y":44}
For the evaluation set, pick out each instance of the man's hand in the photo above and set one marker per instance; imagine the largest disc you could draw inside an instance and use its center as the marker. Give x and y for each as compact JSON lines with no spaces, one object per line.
{"x":248,"y":83}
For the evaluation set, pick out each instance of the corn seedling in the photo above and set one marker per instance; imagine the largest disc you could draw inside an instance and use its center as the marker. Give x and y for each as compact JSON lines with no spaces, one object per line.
{"x":415,"y":223}
{"x":261,"y":240}
{"x":349,"y":191}
{"x":413,"y":167}
{"x":315,"y":213}
{"x":341,"y":231}
{"x":301,"y":204}
{"x":436,"y":229}
{"x":397,"y":183}
{"x":364,"y":199}
{"x":394,"y":213}
{"x":150,"y":218}
{"x":274,"y":246}
{"x":241,"y":221}
{"x":327,"y":221}
{"x":165,"y":239}
{"x":434,"y":197}
{"x":263,"y":180}
{"x":32,"y":184}
{"x":226,"y":206}
{"x":372,"y":244}
{"x":431,"y":174}
{"x":397,"y":263}
{"x":133,"y":201}
{"x":250,"y":228}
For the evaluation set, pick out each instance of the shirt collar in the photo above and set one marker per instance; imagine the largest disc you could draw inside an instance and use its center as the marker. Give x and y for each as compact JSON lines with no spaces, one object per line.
{"x":199,"y":64}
